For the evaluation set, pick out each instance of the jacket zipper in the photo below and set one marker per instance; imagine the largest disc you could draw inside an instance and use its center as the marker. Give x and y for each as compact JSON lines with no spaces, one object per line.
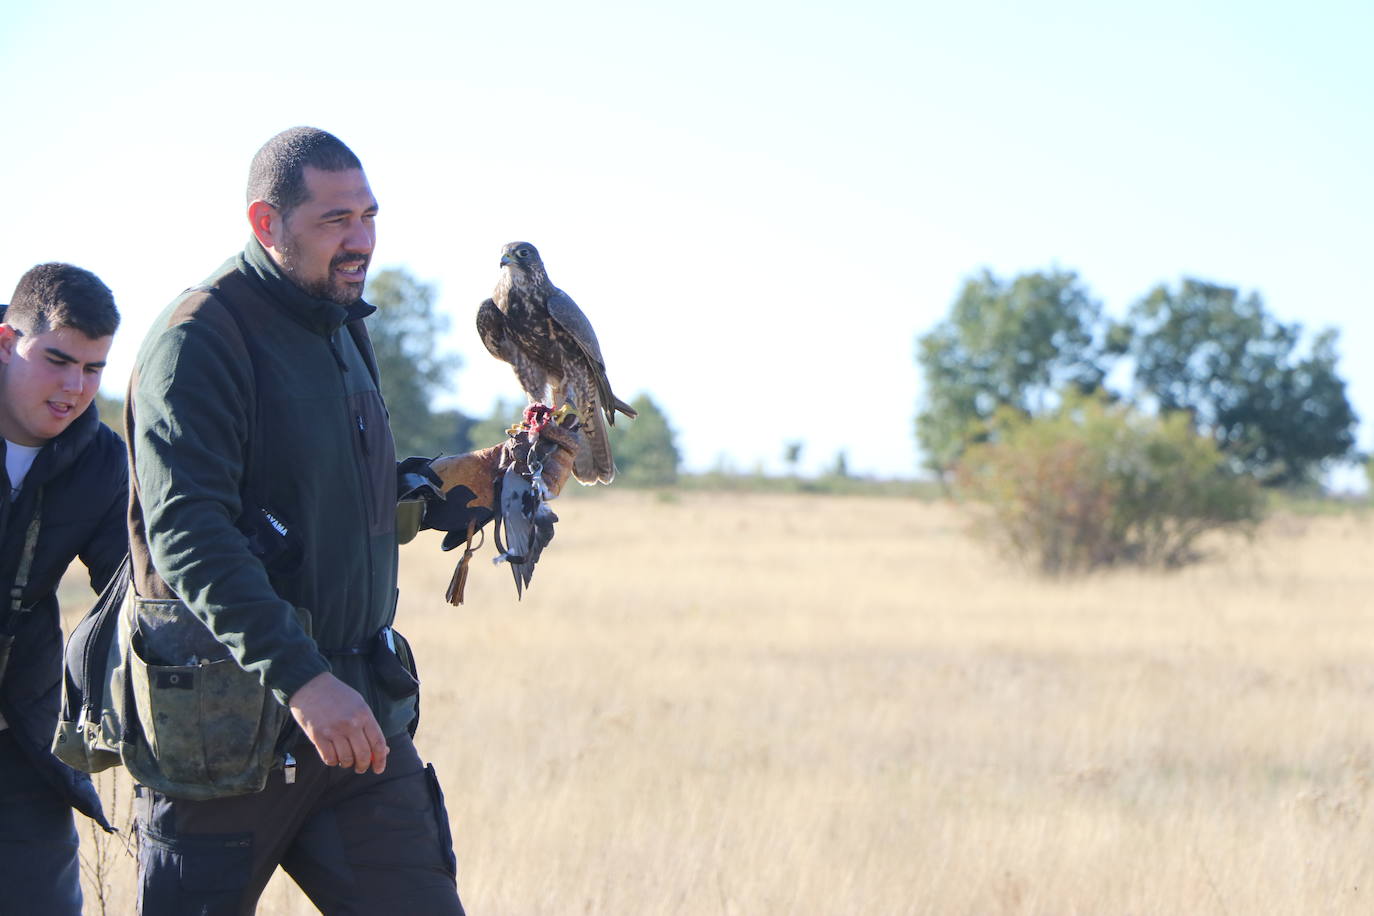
{"x":360,"y":465}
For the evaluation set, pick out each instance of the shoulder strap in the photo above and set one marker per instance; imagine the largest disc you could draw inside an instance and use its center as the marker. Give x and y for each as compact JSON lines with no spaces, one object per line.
{"x":250,"y":490}
{"x":21,"y":576}
{"x":15,"y":611}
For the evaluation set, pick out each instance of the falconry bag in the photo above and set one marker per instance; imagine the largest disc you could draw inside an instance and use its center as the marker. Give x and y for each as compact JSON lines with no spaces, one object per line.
{"x":89,"y":731}
{"x":146,"y":683}
{"x":200,"y":728}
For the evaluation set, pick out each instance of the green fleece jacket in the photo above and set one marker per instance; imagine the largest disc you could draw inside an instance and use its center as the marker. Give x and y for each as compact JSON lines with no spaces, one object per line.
{"x":312,"y":430}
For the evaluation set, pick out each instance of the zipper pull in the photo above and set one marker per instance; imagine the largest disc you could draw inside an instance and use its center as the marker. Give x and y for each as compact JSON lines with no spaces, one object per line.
{"x":362,"y":434}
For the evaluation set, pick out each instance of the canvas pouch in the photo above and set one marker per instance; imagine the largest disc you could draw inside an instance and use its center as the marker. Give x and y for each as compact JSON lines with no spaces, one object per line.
{"x":206,"y":727}
{"x":179,"y":712}
{"x":89,"y":730}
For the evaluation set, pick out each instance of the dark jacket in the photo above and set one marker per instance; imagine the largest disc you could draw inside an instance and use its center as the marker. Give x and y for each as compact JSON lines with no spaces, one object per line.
{"x":312,"y":431}
{"x":84,"y":481}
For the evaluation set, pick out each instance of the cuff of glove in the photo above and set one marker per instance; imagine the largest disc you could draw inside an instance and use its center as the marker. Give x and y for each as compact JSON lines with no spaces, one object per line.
{"x":416,"y":479}
{"x":561,"y":436}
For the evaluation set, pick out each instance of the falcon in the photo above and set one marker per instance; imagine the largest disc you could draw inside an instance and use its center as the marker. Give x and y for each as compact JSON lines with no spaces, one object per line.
{"x":537,"y":328}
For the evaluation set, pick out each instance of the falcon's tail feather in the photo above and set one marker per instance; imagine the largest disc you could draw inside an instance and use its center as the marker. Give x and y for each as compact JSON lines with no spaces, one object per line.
{"x":617,"y":404}
{"x":594,"y":463}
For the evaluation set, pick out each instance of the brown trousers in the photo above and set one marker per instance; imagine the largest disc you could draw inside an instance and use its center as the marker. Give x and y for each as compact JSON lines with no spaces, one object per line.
{"x":362,"y":844}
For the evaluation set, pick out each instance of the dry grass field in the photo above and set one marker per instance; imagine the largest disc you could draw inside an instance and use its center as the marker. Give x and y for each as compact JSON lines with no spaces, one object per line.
{"x":773,"y":705}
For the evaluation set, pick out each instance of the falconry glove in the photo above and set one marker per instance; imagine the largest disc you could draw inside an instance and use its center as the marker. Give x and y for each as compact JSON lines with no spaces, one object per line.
{"x":535,"y":461}
{"x":463,"y":494}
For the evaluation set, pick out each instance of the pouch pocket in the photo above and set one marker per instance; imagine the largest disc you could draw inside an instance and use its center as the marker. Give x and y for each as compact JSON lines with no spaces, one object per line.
{"x":209,"y":727}
{"x":203,"y":722}
{"x":206,"y":873}
{"x":393,"y":664}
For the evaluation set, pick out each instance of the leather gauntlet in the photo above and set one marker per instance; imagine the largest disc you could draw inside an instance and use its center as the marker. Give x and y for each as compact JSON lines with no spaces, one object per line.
{"x":461,"y":496}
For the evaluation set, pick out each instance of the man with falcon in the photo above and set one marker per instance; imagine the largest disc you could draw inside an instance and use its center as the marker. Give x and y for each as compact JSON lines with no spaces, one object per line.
{"x":255,"y":396}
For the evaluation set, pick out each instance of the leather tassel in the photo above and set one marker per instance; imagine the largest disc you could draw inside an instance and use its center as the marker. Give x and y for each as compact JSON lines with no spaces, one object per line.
{"x":454,"y":594}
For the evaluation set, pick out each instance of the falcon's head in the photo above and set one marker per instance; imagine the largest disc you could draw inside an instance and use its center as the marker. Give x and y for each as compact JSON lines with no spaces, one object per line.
{"x":522,"y":260}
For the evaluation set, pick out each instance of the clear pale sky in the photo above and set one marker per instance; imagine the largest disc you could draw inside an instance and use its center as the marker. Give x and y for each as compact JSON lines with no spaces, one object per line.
{"x":759,"y":205}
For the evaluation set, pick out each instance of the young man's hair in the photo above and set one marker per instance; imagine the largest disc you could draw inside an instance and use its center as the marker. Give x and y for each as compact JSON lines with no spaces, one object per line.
{"x":55,"y":295}
{"x":277,"y":174}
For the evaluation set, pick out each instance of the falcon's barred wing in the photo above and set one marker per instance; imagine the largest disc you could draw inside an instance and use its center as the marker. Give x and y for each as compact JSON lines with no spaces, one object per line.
{"x":491,"y":327}
{"x":564,"y":310}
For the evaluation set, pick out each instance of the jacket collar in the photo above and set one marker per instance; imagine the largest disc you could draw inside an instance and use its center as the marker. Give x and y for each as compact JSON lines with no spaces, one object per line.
{"x":318,"y":315}
{"x":60,"y":452}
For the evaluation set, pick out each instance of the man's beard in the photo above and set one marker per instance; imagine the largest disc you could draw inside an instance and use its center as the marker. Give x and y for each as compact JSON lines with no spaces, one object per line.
{"x":328,"y":288}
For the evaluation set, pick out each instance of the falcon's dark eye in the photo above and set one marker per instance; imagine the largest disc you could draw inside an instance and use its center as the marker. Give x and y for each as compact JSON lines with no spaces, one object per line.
{"x":523,"y":253}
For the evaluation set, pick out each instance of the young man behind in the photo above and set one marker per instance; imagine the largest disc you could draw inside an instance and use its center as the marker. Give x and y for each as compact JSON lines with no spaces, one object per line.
{"x":65,"y":495}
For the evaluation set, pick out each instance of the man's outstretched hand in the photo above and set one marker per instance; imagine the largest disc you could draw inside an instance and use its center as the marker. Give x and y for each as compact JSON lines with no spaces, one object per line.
{"x":337,"y":720}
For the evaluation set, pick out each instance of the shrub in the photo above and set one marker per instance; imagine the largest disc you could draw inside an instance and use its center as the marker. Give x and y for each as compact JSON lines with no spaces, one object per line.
{"x":1095,"y":484}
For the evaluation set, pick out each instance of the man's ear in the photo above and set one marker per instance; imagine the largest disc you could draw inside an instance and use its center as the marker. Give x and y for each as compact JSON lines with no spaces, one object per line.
{"x":9,"y":341}
{"x":266,"y":221}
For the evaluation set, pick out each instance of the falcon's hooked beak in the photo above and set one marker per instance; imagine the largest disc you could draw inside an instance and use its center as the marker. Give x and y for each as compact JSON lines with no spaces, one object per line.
{"x":506,"y":260}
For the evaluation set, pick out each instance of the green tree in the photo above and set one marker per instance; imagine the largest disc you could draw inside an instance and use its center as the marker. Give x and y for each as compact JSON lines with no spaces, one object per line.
{"x":840,"y":469}
{"x":453,"y":431}
{"x":1204,"y":349}
{"x":491,"y":429}
{"x":645,"y":448}
{"x":1005,"y":345}
{"x":791,"y":455}
{"x":405,"y":334}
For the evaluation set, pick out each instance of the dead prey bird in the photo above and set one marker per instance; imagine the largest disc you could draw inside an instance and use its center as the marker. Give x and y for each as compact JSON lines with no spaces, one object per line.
{"x":537,"y":328}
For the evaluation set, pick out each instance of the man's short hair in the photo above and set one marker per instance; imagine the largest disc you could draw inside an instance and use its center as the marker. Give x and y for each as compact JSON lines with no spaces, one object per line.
{"x":55,"y":295}
{"x":277,"y":174}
